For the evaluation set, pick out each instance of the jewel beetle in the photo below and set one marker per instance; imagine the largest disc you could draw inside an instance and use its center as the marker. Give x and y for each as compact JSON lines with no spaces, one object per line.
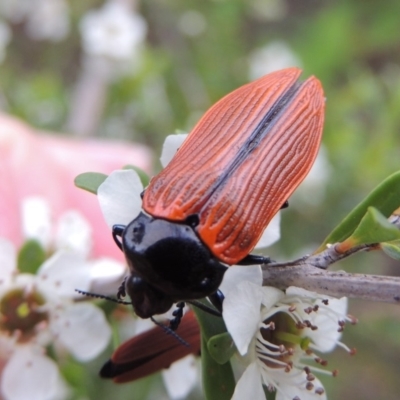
{"x":208,"y":208}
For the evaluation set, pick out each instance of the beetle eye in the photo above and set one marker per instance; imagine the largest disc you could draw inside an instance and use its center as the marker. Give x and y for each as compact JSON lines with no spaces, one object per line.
{"x":138,"y":232}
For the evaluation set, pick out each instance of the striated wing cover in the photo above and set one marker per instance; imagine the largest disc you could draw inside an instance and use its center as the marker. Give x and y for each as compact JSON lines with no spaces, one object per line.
{"x":242,"y":161}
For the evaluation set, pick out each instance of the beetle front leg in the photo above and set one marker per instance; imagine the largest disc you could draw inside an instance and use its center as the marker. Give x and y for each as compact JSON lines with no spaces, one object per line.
{"x":178,"y":314}
{"x":254,"y":259}
{"x":117,"y":231}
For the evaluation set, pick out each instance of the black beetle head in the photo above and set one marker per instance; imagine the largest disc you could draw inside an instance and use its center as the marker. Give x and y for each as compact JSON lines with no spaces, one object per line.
{"x":168,"y":263}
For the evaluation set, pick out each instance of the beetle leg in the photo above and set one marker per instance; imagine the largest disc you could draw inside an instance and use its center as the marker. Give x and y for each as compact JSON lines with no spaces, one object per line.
{"x":205,"y":307}
{"x":217,"y":299}
{"x":285,"y":205}
{"x":117,"y":231}
{"x":178,"y":314}
{"x":121,"y":289}
{"x":254,"y":259}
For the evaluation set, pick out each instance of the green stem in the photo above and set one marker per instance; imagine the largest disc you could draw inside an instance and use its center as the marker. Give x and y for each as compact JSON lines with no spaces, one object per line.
{"x":218,"y":380}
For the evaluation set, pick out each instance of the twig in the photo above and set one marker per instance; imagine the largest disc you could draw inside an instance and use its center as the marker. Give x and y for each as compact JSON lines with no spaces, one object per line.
{"x":336,"y":284}
{"x":308,"y":273}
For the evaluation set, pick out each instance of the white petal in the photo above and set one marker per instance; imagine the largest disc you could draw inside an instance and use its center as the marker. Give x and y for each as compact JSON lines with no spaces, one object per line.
{"x":300,"y":292}
{"x":36,"y":220}
{"x":31,"y":375}
{"x":271,"y":296}
{"x":237,"y":274}
{"x":82,"y":328}
{"x":249,"y":385}
{"x":326,"y":336}
{"x":119,"y":197}
{"x":74,"y":233}
{"x":170,"y":147}
{"x":24,"y":281}
{"x":181,"y":377}
{"x":298,"y":389}
{"x":8,"y":258}
{"x":106,"y":275}
{"x":7,"y":345}
{"x":62,"y":273}
{"x":326,"y":318}
{"x":141,"y":325}
{"x":272,"y":233}
{"x":241,"y":312}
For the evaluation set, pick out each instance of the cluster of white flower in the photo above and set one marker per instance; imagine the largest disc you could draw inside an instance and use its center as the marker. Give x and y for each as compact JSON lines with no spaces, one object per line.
{"x":38,"y":309}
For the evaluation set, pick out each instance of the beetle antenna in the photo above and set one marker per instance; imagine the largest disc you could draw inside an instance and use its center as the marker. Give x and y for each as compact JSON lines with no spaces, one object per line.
{"x":169,"y":331}
{"x":100,"y":296}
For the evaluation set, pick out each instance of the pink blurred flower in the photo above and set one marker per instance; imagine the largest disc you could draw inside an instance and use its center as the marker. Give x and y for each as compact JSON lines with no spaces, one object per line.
{"x":33,"y":163}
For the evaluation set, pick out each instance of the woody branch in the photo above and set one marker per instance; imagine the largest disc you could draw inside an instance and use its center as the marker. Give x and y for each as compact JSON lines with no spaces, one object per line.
{"x":310,"y":273}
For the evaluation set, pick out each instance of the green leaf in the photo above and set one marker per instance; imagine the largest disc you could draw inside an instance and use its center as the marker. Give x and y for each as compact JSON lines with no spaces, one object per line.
{"x":392,"y":249}
{"x":218,"y":380}
{"x":385,"y":197}
{"x":90,"y":181}
{"x":144,"y":178}
{"x":221,"y":347}
{"x":31,"y":256}
{"x":374,"y":228}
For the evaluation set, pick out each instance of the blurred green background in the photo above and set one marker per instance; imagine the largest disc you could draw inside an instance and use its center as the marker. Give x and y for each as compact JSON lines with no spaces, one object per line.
{"x":195,"y":52}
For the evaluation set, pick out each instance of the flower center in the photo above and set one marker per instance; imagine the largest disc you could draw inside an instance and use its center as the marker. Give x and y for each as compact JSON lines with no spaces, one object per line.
{"x":20,"y":312}
{"x":280,"y":337}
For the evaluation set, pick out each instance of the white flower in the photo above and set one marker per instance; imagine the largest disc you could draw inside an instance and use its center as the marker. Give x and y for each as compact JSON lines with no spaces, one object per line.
{"x":113,"y":31}
{"x":192,"y":23}
{"x":44,"y":19}
{"x":39,"y":309}
{"x":48,"y":20}
{"x":275,"y":56}
{"x":15,"y":10}
{"x":120,"y":202}
{"x":270,"y":10}
{"x":29,"y":374}
{"x":279,"y":334}
{"x":70,"y":232}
